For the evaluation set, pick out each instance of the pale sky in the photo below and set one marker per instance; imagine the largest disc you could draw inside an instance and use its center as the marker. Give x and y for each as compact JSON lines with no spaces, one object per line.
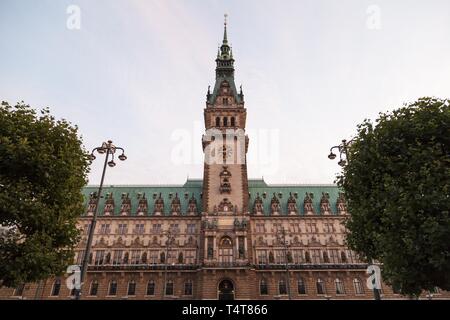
{"x":136,"y":72}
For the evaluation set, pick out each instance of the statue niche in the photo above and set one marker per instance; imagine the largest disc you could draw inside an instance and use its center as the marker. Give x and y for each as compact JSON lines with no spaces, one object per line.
{"x":125,"y":208}
{"x":308,"y":204}
{"x":109,"y":205}
{"x":258,"y":208}
{"x":159,"y":206}
{"x":292,"y":205}
{"x":325,"y":207}
{"x":275,"y":205}
{"x":225,"y":176}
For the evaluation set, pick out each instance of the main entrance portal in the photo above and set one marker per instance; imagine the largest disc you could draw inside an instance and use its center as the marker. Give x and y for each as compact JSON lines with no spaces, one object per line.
{"x":226,"y":290}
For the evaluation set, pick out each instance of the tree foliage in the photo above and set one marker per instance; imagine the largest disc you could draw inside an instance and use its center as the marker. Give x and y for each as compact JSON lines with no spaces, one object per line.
{"x":43,"y":168}
{"x":397,"y":184}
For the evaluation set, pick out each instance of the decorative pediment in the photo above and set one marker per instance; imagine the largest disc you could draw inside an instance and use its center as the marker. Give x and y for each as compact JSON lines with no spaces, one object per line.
{"x":292,"y":205}
{"x":226,"y":206}
{"x":325,"y":207}
{"x":275,"y":205}
{"x":92,"y":203}
{"x":192,"y":206}
{"x":142,"y":205}
{"x":175,"y":206}
{"x":101,"y":243}
{"x":332,"y":240}
{"x":119,"y":243}
{"x":308,"y":203}
{"x":314,"y":241}
{"x":137,"y":243}
{"x":159,"y":206}
{"x":125,"y":208}
{"x":109,"y":204}
{"x":258,"y":208}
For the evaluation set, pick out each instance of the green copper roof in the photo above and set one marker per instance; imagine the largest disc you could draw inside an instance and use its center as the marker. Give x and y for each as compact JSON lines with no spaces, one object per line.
{"x":194,"y":187}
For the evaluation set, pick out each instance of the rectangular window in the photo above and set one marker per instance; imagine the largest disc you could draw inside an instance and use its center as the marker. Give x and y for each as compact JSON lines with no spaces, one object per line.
{"x":260,"y":228}
{"x":190,"y":257}
{"x":80,"y":257}
{"x":87,"y":228}
{"x":139,"y":229}
{"x":105,"y":228}
{"x":99,"y":256}
{"x":154,"y":257}
{"x":156,"y":228}
{"x":262,"y":257}
{"x":263,"y":289}
{"x":190,"y":228}
{"x":117,"y":257}
{"x":279,"y":257}
{"x":123,"y":228}
{"x":174,"y":228}
{"x":135,"y":256}
{"x":316,"y":256}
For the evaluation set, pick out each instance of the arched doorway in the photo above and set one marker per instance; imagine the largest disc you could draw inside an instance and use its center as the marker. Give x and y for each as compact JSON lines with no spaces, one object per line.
{"x":226,"y":290}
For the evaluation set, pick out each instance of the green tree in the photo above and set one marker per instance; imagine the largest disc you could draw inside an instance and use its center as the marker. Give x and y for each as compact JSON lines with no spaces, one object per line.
{"x":43,"y":168}
{"x":397,"y":184}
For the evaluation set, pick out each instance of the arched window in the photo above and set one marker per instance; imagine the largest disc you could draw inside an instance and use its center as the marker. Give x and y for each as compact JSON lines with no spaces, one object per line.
{"x":56,"y":287}
{"x":151,"y":288}
{"x":320,"y":286}
{"x":263,"y":289}
{"x":226,"y":250}
{"x":339,"y":286}
{"x":94,"y":288}
{"x":301,"y":286}
{"x":169,"y":288}
{"x":112,"y":290}
{"x":225,"y":101}
{"x":188,"y":288}
{"x":358,"y":286}
{"x":325,"y":257}
{"x":18,"y":292}
{"x":282,"y":287}
{"x":131,"y":288}
{"x":233,"y":122}
{"x":225,"y":121}
{"x":217,"y":121}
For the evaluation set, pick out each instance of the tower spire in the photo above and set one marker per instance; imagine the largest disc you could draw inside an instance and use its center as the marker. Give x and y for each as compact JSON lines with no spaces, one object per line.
{"x":225,"y":40}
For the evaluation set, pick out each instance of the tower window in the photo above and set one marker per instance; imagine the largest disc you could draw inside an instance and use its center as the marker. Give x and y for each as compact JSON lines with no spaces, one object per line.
{"x":225,"y":101}
{"x":217,"y":122}
{"x":233,"y":122}
{"x":225,"y":121}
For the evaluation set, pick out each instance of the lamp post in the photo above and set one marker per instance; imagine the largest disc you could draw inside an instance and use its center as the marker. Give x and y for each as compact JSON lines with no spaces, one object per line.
{"x":108,"y":149}
{"x":343,"y":151}
{"x":170,"y":238}
{"x":281,"y":236}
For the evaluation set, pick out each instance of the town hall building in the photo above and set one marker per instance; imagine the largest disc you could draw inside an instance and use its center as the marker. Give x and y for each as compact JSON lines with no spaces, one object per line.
{"x":221,"y":237}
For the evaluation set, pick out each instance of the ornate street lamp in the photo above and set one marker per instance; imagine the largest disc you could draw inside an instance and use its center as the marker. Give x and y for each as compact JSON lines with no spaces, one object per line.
{"x":108,"y":149}
{"x":343,"y":160}
{"x":170,"y":239}
{"x":281,"y":236}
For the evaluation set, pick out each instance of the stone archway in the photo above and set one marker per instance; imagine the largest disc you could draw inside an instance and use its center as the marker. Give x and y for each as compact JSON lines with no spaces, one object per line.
{"x":225,"y":290}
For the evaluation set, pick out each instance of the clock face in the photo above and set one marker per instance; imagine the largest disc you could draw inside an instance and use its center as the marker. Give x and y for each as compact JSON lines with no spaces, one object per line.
{"x":228,"y":150}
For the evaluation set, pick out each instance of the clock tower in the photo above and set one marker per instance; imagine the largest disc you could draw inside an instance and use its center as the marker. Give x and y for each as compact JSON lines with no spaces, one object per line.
{"x":225,"y":144}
